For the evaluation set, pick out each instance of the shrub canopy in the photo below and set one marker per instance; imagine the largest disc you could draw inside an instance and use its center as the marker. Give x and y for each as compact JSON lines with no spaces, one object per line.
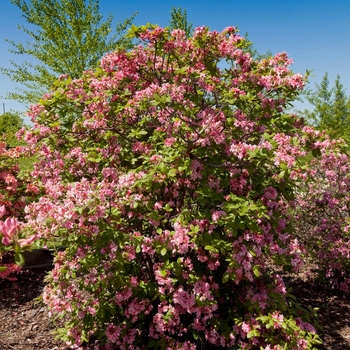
{"x":167,"y":172}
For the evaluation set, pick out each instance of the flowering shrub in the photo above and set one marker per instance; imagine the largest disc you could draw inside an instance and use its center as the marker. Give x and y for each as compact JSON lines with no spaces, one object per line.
{"x":14,"y":195}
{"x":9,"y":182}
{"x":322,"y":214}
{"x":167,"y":175}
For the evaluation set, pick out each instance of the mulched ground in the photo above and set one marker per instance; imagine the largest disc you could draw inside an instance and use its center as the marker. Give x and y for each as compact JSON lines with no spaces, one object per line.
{"x":24,"y":322}
{"x":333,"y":314}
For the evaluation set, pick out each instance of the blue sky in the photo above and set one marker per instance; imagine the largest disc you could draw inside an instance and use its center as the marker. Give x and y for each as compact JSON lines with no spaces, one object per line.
{"x":315,"y":33}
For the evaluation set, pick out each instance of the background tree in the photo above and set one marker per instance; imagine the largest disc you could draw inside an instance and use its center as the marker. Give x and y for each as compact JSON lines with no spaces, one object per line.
{"x":331,"y":108}
{"x":69,"y":38}
{"x":179,"y":20}
{"x":10,"y":123}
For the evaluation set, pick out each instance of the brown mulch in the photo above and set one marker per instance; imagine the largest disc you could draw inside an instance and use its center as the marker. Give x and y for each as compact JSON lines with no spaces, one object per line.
{"x":333,"y":315}
{"x":25,"y":325}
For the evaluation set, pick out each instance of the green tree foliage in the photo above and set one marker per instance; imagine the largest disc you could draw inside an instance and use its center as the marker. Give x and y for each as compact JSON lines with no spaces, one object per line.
{"x":69,"y":38}
{"x":10,"y":123}
{"x":179,"y":21}
{"x":331,"y":108}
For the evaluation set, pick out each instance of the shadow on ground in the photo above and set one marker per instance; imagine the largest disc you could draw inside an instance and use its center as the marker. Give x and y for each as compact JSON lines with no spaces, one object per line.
{"x":333,"y":314}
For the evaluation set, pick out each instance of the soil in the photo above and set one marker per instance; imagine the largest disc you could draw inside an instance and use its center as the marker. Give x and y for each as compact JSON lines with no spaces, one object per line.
{"x":25,"y":324}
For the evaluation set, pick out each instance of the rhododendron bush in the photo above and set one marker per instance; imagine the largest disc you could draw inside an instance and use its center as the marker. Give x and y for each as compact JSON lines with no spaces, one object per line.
{"x":322,"y":214}
{"x":15,"y":193}
{"x":167,"y":172}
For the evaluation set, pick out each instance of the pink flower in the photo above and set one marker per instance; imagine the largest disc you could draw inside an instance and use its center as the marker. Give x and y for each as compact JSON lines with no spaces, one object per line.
{"x":8,"y":229}
{"x":278,"y":319}
{"x":9,"y":271}
{"x":245,"y":329}
{"x":196,"y":168}
{"x":217,"y":215}
{"x":27,"y":241}
{"x":169,"y":142}
{"x":112,"y":332}
{"x":2,"y":211}
{"x":185,"y":299}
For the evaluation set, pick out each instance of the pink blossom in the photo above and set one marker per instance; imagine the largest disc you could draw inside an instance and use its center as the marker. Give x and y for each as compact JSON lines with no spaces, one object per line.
{"x":27,"y":241}
{"x":10,"y":270}
{"x":2,"y":211}
{"x":169,"y":141}
{"x":217,"y":215}
{"x":8,"y":228}
{"x":196,"y":168}
{"x":112,"y":332}
{"x":245,"y":329}
{"x":278,"y":319}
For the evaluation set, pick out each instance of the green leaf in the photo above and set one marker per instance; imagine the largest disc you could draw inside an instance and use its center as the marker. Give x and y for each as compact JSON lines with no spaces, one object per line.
{"x":316,"y":152}
{"x":151,"y":344}
{"x":225,"y":278}
{"x":163,"y":251}
{"x":256,"y":271}
{"x":167,"y":207}
{"x":19,"y":259}
{"x":172,"y":172}
{"x":281,"y":174}
{"x":163,"y":273}
{"x":241,"y":225}
{"x":253,"y":333}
